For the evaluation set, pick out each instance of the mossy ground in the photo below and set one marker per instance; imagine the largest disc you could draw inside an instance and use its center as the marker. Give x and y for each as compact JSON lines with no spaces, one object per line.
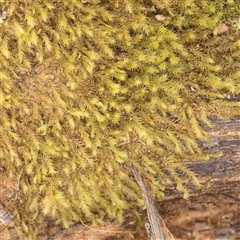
{"x":90,"y":88}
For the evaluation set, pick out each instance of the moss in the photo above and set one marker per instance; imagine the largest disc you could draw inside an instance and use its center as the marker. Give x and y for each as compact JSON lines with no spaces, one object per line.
{"x":90,"y":88}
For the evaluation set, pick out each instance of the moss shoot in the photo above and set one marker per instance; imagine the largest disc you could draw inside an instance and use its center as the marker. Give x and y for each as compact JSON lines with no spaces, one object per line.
{"x":89,"y":89}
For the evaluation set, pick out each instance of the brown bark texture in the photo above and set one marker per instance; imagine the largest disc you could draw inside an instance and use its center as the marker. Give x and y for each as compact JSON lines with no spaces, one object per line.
{"x":212,"y":212}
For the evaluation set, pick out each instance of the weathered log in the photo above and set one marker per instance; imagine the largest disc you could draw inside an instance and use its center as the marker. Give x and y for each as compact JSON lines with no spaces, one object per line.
{"x":212,"y":212}
{"x":220,"y":174}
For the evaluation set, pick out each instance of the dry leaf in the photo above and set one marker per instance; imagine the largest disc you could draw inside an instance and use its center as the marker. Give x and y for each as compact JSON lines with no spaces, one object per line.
{"x":222,"y":29}
{"x":162,"y":18}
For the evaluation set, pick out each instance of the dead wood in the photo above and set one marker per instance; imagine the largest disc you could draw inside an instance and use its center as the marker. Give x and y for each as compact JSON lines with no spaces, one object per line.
{"x":153,"y":224}
{"x":220,"y":174}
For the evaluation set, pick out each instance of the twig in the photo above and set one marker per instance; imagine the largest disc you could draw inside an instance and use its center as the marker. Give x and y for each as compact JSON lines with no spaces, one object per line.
{"x":153,"y":225}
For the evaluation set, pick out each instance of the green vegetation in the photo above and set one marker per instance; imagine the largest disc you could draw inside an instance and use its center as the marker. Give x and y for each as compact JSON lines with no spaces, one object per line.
{"x":90,"y":88}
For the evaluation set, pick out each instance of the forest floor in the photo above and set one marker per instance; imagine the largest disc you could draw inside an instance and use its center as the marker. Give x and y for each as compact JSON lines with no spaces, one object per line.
{"x":205,"y":217}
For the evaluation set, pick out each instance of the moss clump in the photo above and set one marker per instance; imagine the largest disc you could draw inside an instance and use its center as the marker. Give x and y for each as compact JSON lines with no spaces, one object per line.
{"x":90,"y":88}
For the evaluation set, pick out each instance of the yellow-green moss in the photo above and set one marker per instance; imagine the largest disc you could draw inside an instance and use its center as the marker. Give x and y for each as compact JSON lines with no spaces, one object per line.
{"x":90,"y":88}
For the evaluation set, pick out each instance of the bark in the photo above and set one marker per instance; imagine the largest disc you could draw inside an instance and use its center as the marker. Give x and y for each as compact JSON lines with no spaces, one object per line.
{"x":211,"y":212}
{"x":220,"y":174}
